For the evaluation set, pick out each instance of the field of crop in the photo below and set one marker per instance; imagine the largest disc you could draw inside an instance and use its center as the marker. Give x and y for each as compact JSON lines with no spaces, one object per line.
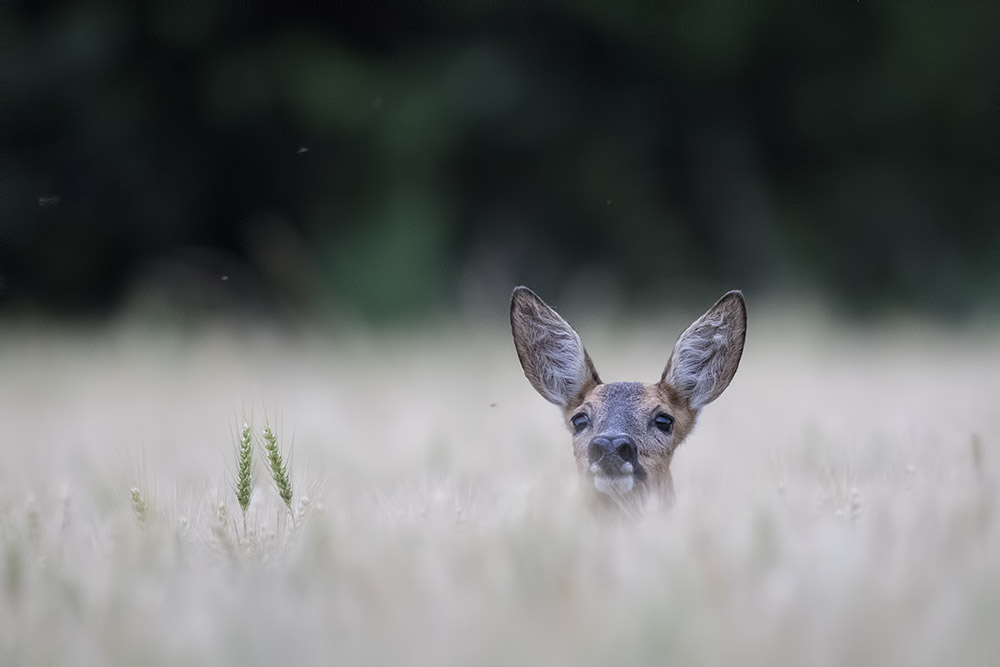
{"x":837,"y":505}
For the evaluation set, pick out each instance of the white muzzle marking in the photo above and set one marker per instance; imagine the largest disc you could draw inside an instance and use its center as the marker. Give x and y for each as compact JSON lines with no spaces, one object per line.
{"x":614,"y":486}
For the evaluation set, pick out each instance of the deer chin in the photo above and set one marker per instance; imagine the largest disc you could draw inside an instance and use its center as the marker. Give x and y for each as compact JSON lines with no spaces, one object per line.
{"x":617,"y":485}
{"x":613,"y":484}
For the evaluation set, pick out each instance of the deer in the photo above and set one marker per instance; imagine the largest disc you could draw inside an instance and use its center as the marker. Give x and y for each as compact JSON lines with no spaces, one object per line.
{"x":625,"y":433}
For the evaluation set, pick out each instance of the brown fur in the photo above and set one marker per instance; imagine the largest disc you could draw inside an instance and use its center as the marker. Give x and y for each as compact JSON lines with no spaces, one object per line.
{"x":703,"y":363}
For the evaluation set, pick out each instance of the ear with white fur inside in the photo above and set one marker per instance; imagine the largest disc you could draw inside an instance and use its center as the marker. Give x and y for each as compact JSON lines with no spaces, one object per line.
{"x":551,"y":353}
{"x":707,"y":354}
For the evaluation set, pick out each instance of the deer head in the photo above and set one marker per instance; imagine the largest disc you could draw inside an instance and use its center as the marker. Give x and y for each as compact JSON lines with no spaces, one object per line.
{"x":625,"y":433}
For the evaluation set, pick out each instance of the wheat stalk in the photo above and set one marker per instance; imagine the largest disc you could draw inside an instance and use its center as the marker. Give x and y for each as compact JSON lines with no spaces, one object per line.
{"x":244,"y":473}
{"x":139,"y":505}
{"x":278,"y":471}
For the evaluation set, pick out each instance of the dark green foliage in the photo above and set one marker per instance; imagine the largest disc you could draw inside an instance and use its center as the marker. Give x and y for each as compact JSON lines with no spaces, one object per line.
{"x":368,"y":159}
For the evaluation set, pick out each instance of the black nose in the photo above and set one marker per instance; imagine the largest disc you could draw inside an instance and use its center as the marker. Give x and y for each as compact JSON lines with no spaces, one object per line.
{"x":622,"y":445}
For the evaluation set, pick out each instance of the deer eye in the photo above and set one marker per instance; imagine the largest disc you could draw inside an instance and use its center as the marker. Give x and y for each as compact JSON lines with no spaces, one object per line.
{"x":580,"y":422}
{"x":664,"y":422}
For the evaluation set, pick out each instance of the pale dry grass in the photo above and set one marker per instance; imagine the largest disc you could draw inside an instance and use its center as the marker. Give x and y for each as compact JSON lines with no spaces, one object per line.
{"x":830,"y":506}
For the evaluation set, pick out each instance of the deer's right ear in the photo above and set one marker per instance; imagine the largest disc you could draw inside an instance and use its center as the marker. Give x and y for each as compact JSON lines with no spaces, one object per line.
{"x":551,"y":353}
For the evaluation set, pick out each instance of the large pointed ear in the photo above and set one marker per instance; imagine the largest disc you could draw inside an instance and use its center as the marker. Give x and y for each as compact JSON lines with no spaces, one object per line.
{"x":551,"y":353}
{"x":706,"y":356}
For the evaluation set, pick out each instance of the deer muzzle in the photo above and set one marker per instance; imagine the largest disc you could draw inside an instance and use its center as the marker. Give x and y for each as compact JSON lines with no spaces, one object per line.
{"x":614,"y":465}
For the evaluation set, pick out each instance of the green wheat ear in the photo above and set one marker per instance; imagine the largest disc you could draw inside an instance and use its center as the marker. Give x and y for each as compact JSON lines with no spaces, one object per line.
{"x":244,"y":479}
{"x":139,"y":505}
{"x":277,"y":466}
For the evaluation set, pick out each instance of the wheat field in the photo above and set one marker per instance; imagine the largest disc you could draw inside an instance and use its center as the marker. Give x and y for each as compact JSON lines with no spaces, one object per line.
{"x":836,"y":506}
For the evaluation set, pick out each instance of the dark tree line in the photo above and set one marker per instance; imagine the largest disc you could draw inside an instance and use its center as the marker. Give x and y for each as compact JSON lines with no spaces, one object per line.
{"x":376,"y":159}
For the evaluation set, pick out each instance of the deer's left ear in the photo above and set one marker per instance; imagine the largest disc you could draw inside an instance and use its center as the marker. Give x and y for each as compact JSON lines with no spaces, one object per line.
{"x":707,"y":354}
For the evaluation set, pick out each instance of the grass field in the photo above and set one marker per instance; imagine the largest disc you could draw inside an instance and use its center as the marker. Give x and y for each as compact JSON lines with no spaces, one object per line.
{"x":836,"y":506}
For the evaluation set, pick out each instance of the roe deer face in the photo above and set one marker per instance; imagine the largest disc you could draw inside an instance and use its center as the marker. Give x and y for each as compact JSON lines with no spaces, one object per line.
{"x":625,"y":433}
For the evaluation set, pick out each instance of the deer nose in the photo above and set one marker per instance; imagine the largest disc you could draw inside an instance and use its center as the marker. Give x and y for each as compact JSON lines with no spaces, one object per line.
{"x":622,"y":445}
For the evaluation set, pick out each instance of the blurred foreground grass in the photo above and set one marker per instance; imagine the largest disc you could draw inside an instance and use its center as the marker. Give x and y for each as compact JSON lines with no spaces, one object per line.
{"x":837,"y":505}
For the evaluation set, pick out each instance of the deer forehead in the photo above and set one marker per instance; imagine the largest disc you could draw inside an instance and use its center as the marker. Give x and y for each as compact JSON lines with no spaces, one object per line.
{"x":624,"y":407}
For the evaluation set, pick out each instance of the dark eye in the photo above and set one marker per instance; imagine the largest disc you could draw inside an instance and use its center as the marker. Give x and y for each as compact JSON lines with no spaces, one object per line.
{"x":664,"y":422}
{"x":579,"y":422}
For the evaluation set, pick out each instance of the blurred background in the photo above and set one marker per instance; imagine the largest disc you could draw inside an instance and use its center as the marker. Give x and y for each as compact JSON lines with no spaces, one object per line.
{"x":401,"y":161}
